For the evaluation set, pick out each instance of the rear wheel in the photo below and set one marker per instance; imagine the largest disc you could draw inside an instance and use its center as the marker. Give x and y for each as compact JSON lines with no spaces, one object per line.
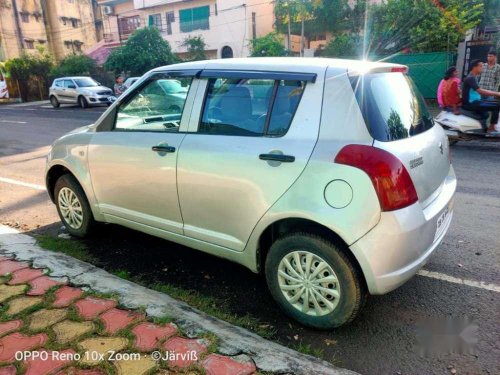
{"x":82,"y":102}
{"x":55,"y":103}
{"x":313,"y":281}
{"x":73,"y":206}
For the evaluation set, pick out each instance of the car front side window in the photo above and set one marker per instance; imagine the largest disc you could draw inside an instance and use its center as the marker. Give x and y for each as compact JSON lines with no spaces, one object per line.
{"x":153,"y":108}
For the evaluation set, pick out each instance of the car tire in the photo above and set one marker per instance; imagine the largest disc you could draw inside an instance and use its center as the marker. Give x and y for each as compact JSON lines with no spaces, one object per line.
{"x":73,"y":207}
{"x":55,"y":103}
{"x":336,"y":303}
{"x":82,"y":102}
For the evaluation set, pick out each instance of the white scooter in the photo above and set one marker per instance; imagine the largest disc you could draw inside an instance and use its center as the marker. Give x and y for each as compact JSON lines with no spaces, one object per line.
{"x":463,"y":128}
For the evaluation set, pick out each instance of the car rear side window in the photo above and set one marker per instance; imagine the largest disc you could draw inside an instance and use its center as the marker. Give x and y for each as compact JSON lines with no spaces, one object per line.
{"x":58,"y":83}
{"x":392,"y":107}
{"x":250,"y":107}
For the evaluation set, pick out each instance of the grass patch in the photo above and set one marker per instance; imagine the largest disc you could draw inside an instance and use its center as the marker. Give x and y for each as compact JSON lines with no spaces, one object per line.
{"x":308,"y":349}
{"x":63,"y":245}
{"x":214,"y":307}
{"x":123,"y":274}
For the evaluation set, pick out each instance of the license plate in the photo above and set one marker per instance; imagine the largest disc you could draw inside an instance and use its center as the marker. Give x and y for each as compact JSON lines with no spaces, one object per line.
{"x":440,"y":224}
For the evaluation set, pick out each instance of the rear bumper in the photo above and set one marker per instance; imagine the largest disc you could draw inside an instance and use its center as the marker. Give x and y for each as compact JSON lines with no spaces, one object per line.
{"x":402,"y":242}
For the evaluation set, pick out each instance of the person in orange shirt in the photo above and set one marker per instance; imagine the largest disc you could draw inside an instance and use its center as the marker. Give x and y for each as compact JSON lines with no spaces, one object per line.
{"x":450,"y":91}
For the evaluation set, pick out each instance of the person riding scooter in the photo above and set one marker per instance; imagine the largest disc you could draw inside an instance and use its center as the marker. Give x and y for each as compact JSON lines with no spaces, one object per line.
{"x":449,"y":91}
{"x":472,"y":102}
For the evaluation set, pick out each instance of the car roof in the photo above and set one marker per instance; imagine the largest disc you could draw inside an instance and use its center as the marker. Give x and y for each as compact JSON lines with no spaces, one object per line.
{"x":289,"y":64}
{"x":72,"y":77}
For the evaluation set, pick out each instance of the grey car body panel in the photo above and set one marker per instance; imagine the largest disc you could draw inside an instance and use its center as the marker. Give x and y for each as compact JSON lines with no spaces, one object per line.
{"x":232,"y":218}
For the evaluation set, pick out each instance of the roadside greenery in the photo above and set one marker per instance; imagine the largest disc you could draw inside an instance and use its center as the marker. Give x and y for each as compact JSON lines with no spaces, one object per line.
{"x":31,"y":72}
{"x":386,"y":28}
{"x":75,"y":65}
{"x":143,"y":51}
{"x":268,"y":45}
{"x":195,"y":48}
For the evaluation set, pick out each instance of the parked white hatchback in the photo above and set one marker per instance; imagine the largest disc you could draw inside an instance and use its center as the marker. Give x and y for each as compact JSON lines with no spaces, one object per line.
{"x":329,"y":176}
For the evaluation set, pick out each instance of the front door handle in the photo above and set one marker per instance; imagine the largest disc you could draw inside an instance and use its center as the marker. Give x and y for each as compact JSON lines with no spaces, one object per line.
{"x":278,"y":157}
{"x":163,"y":148}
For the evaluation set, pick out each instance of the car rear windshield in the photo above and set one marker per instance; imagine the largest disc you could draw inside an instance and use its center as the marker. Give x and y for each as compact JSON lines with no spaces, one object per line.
{"x":392,"y":107}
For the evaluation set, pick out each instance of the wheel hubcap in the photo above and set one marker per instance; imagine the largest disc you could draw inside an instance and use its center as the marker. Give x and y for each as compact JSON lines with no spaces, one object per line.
{"x":70,"y":207}
{"x":308,"y":283}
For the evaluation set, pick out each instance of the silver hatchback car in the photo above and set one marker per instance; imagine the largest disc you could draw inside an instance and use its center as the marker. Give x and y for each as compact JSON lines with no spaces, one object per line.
{"x":328,"y":176}
{"x":83,"y":91}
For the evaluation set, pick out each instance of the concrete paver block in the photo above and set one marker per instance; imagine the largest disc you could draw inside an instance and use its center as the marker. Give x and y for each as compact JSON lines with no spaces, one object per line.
{"x":45,"y":318}
{"x":90,"y":307}
{"x":7,"y":291}
{"x":22,"y":303}
{"x":149,"y":335}
{"x":16,"y":342}
{"x":67,"y":330}
{"x":101,"y":346}
{"x":65,"y":295}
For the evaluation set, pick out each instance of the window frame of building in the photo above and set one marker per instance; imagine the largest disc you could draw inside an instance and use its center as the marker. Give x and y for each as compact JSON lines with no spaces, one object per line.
{"x":192,"y":19}
{"x":170,"y":18}
{"x":25,"y":17}
{"x":29,"y":43}
{"x":127,"y":25}
{"x":155,"y":20}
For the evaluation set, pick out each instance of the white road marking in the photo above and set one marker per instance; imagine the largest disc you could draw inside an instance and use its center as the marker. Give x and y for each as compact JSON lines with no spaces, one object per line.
{"x":14,"y":122}
{"x":21,"y":183}
{"x":457,"y":280}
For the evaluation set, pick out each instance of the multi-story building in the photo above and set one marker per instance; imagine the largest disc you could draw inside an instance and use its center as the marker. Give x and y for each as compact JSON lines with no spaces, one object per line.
{"x":22,"y":27}
{"x":64,"y":26}
{"x":226,"y":26}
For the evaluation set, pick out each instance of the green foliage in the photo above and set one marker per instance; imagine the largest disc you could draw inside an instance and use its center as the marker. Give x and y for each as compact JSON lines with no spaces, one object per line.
{"x":268,"y":45}
{"x":143,"y":51}
{"x":29,"y":69}
{"x":422,"y":25}
{"x":319,"y":15}
{"x":195,"y":48}
{"x":345,"y":45}
{"x":75,"y":65}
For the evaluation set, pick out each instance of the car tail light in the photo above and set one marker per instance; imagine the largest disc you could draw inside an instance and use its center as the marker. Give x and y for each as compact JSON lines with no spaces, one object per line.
{"x":389,"y":176}
{"x":399,"y":69}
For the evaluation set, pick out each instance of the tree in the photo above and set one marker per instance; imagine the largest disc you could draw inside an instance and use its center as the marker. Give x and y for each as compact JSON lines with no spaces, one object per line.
{"x":195,"y":48}
{"x":74,"y":65}
{"x":345,"y":45}
{"x":422,"y":25}
{"x":268,"y":45}
{"x":143,"y":51}
{"x":31,"y":69}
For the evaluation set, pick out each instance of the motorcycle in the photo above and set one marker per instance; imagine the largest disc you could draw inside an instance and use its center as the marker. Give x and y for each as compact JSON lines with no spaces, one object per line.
{"x":464,"y":128}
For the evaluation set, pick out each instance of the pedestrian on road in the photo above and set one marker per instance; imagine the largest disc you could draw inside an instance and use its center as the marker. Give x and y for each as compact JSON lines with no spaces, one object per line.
{"x":119,"y":88}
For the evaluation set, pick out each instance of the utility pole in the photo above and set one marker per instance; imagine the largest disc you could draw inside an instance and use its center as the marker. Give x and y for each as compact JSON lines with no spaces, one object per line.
{"x":19,"y":32}
{"x":302,"y":16}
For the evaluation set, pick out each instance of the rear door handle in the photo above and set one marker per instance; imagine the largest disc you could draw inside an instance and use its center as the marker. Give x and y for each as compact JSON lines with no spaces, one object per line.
{"x":161,"y":148}
{"x":278,"y":157}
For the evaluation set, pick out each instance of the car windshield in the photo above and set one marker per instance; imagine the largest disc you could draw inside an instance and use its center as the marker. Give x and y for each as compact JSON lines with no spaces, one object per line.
{"x":171,"y":86}
{"x":85,"y":82}
{"x":392,"y":106}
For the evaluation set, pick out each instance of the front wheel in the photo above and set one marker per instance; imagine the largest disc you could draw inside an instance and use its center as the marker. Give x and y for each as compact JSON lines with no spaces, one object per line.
{"x":313,"y":281}
{"x":82,"y":102}
{"x":73,"y":207}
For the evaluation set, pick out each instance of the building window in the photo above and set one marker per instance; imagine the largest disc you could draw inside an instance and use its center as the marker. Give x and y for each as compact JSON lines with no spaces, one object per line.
{"x":155,"y":20}
{"x":29,"y":44}
{"x":78,"y":46}
{"x":170,"y":19}
{"x":194,"y":19}
{"x":37,"y":16}
{"x":128,"y":25}
{"x":74,"y":22}
{"x":25,"y":17}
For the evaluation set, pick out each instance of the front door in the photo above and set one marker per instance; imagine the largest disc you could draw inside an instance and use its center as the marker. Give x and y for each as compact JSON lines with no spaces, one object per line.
{"x":133,"y":166}
{"x":68,"y":92}
{"x":250,"y":145}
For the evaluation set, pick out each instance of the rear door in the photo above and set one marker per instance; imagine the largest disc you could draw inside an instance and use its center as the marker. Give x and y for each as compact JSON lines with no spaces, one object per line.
{"x":398,"y":120}
{"x":249,"y":145}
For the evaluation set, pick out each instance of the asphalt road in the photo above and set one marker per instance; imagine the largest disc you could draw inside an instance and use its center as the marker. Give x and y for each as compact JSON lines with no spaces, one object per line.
{"x":383,"y":340}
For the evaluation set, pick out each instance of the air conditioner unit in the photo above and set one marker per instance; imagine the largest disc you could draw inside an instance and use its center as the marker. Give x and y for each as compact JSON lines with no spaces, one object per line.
{"x":107,"y":10}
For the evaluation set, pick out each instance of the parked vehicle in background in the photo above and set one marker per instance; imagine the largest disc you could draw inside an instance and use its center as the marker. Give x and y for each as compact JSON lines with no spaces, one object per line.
{"x":83,"y":91}
{"x":328,"y":176}
{"x":130,"y":81}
